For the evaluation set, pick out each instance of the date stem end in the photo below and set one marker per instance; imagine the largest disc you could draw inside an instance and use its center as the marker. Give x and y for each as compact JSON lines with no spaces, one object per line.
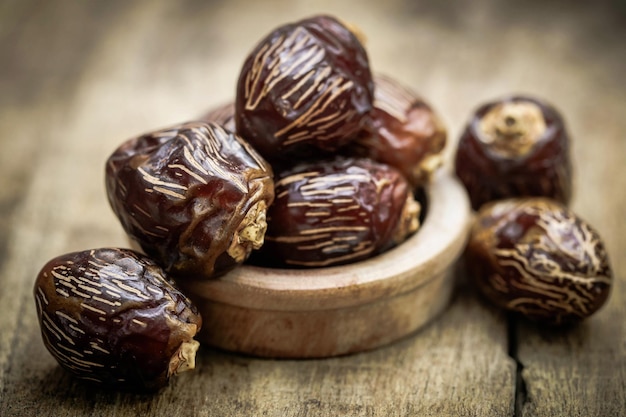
{"x":511,"y":129}
{"x":184,"y":359}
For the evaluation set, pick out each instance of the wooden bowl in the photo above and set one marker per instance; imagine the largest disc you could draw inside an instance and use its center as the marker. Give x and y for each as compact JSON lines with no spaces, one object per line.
{"x":312,"y":313}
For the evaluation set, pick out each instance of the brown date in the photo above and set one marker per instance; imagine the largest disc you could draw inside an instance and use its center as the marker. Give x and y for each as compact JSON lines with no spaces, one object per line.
{"x":536,"y":257}
{"x":223,"y":115}
{"x":337,"y":211}
{"x":515,"y":147}
{"x":305,"y":89}
{"x":110,"y":316}
{"x":193,"y":196}
{"x":404,"y":132}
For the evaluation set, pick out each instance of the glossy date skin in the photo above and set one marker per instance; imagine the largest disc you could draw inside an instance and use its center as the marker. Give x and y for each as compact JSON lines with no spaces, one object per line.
{"x":110,"y":316}
{"x":193,"y":196}
{"x":536,"y":257}
{"x":335,"y":212}
{"x":306,"y":89}
{"x":403,"y":131}
{"x":515,"y":147}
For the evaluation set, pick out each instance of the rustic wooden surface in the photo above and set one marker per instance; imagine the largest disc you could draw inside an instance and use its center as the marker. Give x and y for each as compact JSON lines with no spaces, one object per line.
{"x":77,"y":78}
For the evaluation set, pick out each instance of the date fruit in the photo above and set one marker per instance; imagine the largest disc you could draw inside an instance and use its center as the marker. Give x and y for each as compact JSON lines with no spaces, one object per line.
{"x":110,"y":316}
{"x":193,"y":196}
{"x":404,"y":132}
{"x":536,"y":257}
{"x":223,"y":115}
{"x":337,"y":211}
{"x":515,"y":147}
{"x":305,"y":89}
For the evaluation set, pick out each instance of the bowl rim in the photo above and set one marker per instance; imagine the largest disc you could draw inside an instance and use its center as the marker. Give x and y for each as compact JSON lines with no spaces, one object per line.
{"x":421,"y":258}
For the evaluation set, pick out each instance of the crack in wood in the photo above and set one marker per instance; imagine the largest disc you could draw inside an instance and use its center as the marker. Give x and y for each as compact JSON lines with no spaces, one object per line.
{"x":520,"y":383}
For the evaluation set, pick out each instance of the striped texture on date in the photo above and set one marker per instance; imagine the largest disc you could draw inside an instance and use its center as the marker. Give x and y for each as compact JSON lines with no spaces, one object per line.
{"x":337,"y":211}
{"x":305,"y":86}
{"x":193,"y":196}
{"x":537,"y":257}
{"x":110,"y":316}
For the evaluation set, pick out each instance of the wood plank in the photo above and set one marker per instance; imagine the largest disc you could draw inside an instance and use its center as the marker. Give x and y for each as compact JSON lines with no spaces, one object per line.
{"x":582,"y":371}
{"x":440,"y":371}
{"x":83,"y":77}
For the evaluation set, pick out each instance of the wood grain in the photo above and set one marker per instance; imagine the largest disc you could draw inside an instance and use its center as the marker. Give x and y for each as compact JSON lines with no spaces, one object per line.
{"x":77,"y":78}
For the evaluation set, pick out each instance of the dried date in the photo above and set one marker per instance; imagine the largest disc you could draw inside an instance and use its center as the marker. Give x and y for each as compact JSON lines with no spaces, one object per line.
{"x":536,"y":257}
{"x":110,"y":316}
{"x":193,"y":196}
{"x":337,"y":211}
{"x":515,"y":147}
{"x":404,"y":132}
{"x":305,"y":89}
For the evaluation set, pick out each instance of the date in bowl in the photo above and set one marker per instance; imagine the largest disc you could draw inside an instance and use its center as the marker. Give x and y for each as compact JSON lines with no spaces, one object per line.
{"x":323,"y":312}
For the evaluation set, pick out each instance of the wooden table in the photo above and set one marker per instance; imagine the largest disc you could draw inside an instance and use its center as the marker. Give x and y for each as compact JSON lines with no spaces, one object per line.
{"x":77,"y":78}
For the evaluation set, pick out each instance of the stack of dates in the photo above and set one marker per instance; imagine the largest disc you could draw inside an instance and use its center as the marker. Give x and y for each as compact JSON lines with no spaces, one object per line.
{"x":316,"y":163}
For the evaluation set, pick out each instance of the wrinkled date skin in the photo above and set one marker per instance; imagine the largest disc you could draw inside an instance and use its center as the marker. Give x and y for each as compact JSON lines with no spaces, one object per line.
{"x":223,"y":115}
{"x":111,"y":317}
{"x":515,"y":147}
{"x":336,"y":212}
{"x":305,"y":89}
{"x":535,"y":257}
{"x":404,"y":132}
{"x":193,"y":196}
